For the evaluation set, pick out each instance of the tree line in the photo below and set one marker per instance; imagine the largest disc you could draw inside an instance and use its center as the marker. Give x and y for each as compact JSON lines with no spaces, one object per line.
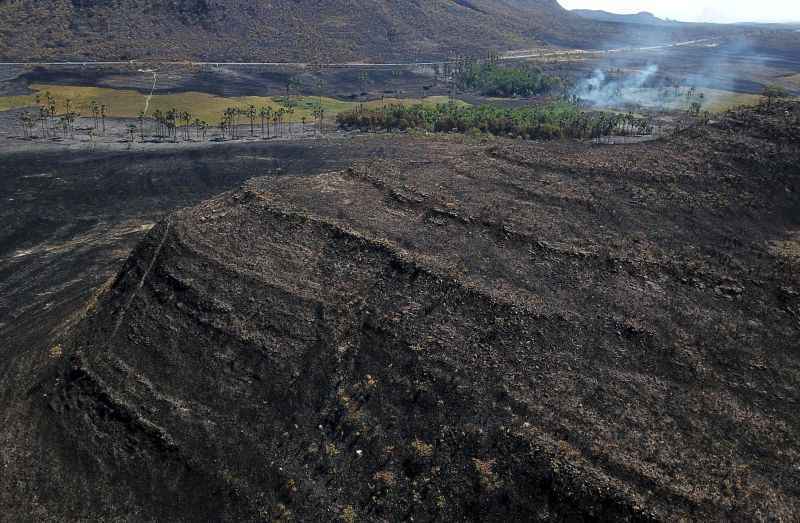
{"x":54,"y":123}
{"x":173,"y":124}
{"x":560,"y":119}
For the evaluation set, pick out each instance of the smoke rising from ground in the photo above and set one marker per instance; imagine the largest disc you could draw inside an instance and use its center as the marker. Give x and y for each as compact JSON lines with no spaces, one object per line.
{"x":603,"y":91}
{"x":709,"y":74}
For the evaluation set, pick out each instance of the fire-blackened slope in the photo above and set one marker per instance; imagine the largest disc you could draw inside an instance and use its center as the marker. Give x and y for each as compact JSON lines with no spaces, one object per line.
{"x":294,"y":30}
{"x":524,"y":332}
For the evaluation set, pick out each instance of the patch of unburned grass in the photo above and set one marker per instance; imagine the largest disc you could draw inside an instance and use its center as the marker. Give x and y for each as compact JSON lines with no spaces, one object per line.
{"x":718,"y":101}
{"x":124,"y":103}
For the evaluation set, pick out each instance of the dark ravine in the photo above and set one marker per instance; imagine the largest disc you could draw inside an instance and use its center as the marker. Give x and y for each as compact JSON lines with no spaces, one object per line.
{"x":524,"y":332}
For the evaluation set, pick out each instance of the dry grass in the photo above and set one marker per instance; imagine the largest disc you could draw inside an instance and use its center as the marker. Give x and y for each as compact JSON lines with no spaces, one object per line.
{"x":386,"y":477}
{"x":349,"y":514}
{"x":56,"y":351}
{"x":788,"y":248}
{"x":422,"y":449}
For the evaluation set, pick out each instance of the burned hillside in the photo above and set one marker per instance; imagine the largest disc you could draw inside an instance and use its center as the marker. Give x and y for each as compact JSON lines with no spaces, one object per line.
{"x":506,"y":331}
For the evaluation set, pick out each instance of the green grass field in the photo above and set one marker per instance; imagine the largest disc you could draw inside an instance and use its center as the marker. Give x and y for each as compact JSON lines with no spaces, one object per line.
{"x":207,"y":107}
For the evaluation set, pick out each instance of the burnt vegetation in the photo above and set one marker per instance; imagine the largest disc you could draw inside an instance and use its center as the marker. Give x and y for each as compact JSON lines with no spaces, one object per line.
{"x":524,"y":331}
{"x":297,"y":30}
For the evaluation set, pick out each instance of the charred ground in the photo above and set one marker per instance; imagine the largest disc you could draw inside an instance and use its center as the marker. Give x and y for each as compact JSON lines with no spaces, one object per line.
{"x":304,"y":30}
{"x":515,"y":330}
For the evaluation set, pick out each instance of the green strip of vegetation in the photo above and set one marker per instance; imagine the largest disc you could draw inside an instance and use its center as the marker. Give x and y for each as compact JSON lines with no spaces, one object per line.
{"x":551,"y":121}
{"x":494,"y":80}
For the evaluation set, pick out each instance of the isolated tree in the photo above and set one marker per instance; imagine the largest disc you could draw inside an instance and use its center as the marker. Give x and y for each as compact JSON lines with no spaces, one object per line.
{"x":172,"y":124}
{"x":141,"y":125}
{"x":103,"y":112}
{"x":276,"y":118}
{"x":262,"y":113}
{"x":320,"y":89}
{"x":94,"y":108}
{"x":186,"y":116}
{"x":252,"y":113}
{"x":319,"y":114}
{"x":25,"y":120}
{"x":43,"y":120}
{"x":43,"y":113}
{"x":51,"y":110}
{"x":65,"y":120}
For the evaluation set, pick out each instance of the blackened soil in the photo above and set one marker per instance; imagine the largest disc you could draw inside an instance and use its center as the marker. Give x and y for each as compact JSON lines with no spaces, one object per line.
{"x":514,"y":332}
{"x":342,"y":83}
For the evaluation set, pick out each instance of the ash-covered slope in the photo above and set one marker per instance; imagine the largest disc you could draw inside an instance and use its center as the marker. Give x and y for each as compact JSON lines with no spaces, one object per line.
{"x":292,"y":30}
{"x":524,"y":332}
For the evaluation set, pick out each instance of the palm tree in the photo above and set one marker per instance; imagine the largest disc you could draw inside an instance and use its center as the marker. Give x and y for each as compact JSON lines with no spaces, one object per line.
{"x":270,"y":114}
{"x":95,"y":110}
{"x":319,"y":114}
{"x":25,"y":121}
{"x":276,"y":117}
{"x":159,"y":118}
{"x":172,"y":124}
{"x":187,"y":128}
{"x":262,"y":113}
{"x":43,"y":120}
{"x":103,"y":110}
{"x":51,"y":109}
{"x":65,"y":119}
{"x":141,"y":125}
{"x":251,"y":114}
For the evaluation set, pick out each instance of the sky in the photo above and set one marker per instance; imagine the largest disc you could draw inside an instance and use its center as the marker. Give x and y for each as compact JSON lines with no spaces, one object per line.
{"x":700,"y":10}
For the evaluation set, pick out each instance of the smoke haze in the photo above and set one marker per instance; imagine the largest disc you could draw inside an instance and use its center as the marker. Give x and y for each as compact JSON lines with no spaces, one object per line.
{"x":722,"y":11}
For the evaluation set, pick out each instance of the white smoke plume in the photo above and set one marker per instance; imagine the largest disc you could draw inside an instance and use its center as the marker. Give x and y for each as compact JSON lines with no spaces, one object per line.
{"x":601,"y":91}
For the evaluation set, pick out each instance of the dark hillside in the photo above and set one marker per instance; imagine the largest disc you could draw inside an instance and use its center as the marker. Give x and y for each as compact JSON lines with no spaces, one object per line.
{"x":512,"y":333}
{"x":638,"y":18}
{"x":291,"y":30}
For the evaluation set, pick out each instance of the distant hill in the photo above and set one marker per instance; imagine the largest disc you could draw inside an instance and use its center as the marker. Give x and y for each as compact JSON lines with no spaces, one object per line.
{"x":643,"y":18}
{"x":286,"y":30}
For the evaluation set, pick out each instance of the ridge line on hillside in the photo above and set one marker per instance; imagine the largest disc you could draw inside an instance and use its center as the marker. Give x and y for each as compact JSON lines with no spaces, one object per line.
{"x":507,"y":56}
{"x":139,"y":286}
